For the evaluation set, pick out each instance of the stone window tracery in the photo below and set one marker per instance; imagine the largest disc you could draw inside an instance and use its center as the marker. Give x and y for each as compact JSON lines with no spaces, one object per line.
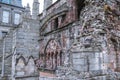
{"x":53,"y":55}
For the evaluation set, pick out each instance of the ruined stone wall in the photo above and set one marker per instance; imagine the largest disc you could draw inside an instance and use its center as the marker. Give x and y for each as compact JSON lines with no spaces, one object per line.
{"x":96,"y":33}
{"x":56,"y":35}
{"x":89,"y":46}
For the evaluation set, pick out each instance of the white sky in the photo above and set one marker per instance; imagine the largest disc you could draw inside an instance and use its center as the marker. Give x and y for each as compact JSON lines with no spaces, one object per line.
{"x":24,"y":2}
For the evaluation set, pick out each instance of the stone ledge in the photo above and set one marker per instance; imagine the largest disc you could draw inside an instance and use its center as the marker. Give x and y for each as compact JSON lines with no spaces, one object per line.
{"x":26,"y":76}
{"x":46,"y":74}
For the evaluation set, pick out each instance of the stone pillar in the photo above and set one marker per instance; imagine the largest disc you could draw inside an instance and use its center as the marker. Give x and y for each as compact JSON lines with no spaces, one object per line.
{"x":58,"y":59}
{"x":14,"y":55}
{"x":13,"y":65}
{"x":3,"y":61}
{"x":35,"y":9}
{"x":54,"y":60}
{"x":27,"y":13}
{"x":50,"y":61}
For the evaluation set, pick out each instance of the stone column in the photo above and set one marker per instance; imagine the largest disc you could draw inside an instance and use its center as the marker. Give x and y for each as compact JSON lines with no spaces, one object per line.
{"x":51,"y":61}
{"x":54,"y":61}
{"x":13,"y":65}
{"x":14,"y":54}
{"x":3,"y":61}
{"x":58,"y":59}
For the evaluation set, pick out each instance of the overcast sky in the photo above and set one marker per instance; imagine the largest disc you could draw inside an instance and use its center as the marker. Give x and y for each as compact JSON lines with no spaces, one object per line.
{"x":24,"y":2}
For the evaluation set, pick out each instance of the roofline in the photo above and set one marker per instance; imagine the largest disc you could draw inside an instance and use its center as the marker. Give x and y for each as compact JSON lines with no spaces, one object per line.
{"x":12,"y":5}
{"x":53,"y":4}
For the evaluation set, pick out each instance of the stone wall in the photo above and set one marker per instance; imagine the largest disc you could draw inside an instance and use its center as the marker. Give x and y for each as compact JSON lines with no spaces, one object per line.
{"x":1,"y":53}
{"x":27,"y":38}
{"x":89,"y":46}
{"x":20,"y":47}
{"x":27,"y":50}
{"x":7,"y":50}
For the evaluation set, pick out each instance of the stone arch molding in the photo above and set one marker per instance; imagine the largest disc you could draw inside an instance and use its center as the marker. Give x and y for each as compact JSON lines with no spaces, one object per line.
{"x":52,"y":46}
{"x":24,"y":67}
{"x":53,"y":54}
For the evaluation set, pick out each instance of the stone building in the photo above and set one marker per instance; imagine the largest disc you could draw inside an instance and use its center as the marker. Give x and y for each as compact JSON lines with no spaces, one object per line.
{"x":79,"y":40}
{"x":19,"y":33}
{"x":70,"y":40}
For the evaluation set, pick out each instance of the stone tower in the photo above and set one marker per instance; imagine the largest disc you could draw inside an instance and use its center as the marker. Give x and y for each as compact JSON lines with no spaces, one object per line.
{"x":35,"y":9}
{"x":27,"y":12}
{"x":47,"y":3}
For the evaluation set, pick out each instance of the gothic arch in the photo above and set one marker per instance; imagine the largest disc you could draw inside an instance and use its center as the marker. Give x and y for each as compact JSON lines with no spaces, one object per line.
{"x":31,"y":57}
{"x":53,"y":54}
{"x":52,"y":43}
{"x":21,"y":58}
{"x":20,"y":66}
{"x":30,"y":67}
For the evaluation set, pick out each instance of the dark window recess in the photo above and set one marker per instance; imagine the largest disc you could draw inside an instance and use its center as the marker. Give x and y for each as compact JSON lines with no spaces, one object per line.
{"x":115,"y":43}
{"x":60,"y":58}
{"x":55,"y":61}
{"x":63,"y":18}
{"x":4,"y":33}
{"x":79,"y":6}
{"x":12,"y":9}
{"x":56,"y":23}
{"x":78,"y":32}
{"x":1,"y":58}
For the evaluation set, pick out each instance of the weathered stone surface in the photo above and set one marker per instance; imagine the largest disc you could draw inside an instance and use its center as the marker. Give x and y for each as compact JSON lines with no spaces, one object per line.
{"x":88,"y":37}
{"x":78,"y":40}
{"x":19,"y":44}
